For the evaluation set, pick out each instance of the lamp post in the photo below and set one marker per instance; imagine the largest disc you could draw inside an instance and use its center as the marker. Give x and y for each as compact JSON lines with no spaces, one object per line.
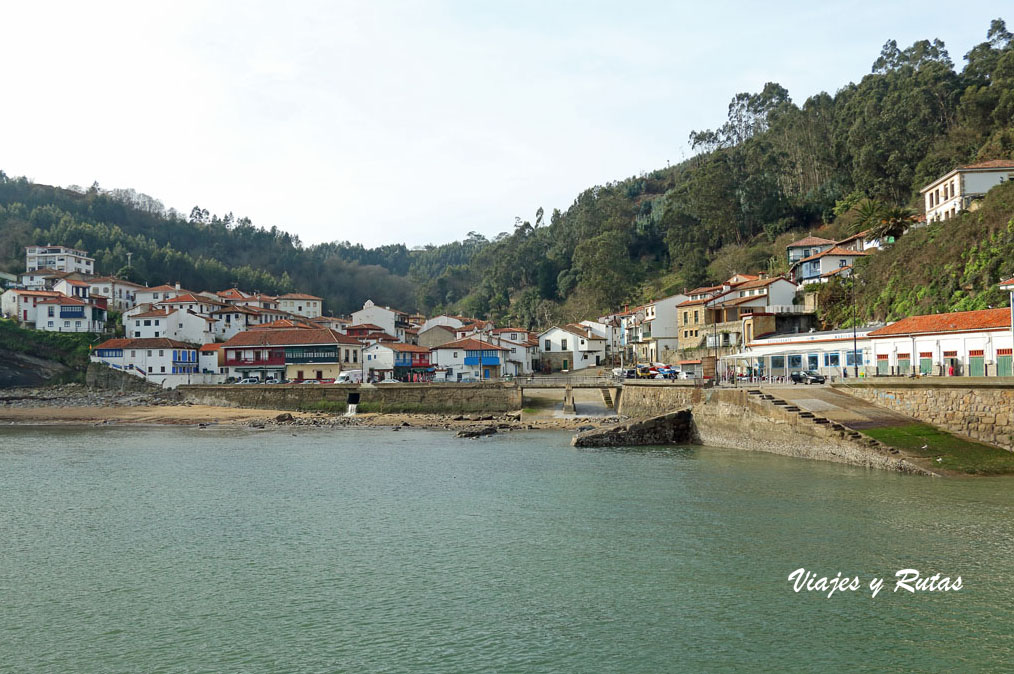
{"x":855,"y":339}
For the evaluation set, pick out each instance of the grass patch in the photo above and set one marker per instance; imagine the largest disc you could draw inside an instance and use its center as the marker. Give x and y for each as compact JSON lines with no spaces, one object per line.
{"x":956,"y":454}
{"x":329,"y":406}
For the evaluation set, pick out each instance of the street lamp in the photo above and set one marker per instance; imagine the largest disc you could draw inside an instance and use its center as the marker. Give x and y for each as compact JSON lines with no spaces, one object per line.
{"x":855,"y":339}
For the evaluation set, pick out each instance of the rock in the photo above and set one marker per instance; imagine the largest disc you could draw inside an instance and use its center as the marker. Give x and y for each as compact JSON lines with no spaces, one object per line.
{"x":477,"y":432}
{"x":284,"y":417}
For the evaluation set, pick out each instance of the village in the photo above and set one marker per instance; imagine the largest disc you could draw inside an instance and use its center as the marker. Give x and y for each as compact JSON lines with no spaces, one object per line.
{"x":749,"y":327}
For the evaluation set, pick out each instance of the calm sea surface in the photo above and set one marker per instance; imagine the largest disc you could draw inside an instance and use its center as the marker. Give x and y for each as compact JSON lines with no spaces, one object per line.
{"x":178,"y":550}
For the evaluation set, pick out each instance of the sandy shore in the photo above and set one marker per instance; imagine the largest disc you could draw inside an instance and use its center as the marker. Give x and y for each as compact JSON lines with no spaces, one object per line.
{"x":190,"y":415}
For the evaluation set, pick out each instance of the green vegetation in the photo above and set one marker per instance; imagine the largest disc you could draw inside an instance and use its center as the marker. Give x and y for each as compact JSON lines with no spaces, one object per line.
{"x":70,"y":349}
{"x":328,"y":406}
{"x":955,"y":454}
{"x":772,"y":172}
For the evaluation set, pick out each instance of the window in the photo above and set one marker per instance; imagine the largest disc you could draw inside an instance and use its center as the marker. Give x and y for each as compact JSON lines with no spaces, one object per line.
{"x":156,"y":321}
{"x":455,"y":354}
{"x":50,"y":324}
{"x":549,"y":346}
{"x":50,"y":311}
{"x":133,"y":354}
{"x":696,"y":316}
{"x":853,"y":358}
{"x":66,"y":324}
{"x":843,"y":263}
{"x":147,"y":322}
{"x":563,"y":344}
{"x":795,"y":362}
{"x":832,"y":360}
{"x":163,"y":368}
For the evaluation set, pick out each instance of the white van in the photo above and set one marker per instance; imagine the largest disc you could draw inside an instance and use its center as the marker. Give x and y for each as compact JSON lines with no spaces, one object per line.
{"x":350,"y":377}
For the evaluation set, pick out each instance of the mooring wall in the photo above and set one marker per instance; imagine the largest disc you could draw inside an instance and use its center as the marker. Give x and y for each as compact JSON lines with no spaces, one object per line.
{"x":422,"y":398}
{"x":980,"y":408}
{"x":733,"y":418}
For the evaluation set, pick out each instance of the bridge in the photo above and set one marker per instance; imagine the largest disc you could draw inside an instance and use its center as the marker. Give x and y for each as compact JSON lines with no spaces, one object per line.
{"x":600,"y":394}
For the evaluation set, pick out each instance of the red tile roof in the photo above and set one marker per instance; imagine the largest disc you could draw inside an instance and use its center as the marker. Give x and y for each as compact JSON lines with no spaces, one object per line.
{"x":283,"y":324}
{"x":158,"y":313}
{"x":836,"y":250}
{"x":835,"y":272}
{"x":986,"y":319}
{"x":470,"y":344}
{"x":760,"y":283}
{"x":1008,"y":284}
{"x":291,"y":337}
{"x":191,"y":298}
{"x":405,"y":348}
{"x":209,"y":348}
{"x":990,"y":164}
{"x":810,"y":241}
{"x":164,"y":288}
{"x":144,"y":343}
{"x":37,"y":293}
{"x":65,"y":301}
{"x":367,"y":326}
{"x":298,"y":296}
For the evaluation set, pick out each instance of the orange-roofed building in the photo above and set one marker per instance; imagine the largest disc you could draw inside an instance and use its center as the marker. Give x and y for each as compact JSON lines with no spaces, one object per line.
{"x":972,"y":343}
{"x":294,"y":354}
{"x":816,"y":267}
{"x":301,"y":304}
{"x":468,"y":359}
{"x":404,"y":362}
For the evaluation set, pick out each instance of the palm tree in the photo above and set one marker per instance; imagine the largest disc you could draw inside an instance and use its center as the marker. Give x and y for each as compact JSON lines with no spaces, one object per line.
{"x":880,"y":221}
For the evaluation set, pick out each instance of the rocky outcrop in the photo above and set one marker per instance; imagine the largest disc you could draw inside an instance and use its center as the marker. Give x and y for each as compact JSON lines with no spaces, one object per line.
{"x":672,"y":428}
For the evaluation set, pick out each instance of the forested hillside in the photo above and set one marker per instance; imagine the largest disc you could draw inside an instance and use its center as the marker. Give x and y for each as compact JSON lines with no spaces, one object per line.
{"x":773,"y":170}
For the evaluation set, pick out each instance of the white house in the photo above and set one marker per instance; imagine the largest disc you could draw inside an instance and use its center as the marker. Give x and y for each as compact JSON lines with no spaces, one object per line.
{"x":406,"y":362}
{"x":159,"y":360}
{"x":468,"y":359}
{"x":175,"y":324}
{"x":196,"y":303}
{"x":658,"y":332}
{"x":301,"y":304}
{"x":807,"y":247}
{"x":442,"y":320}
{"x":953,"y":192}
{"x":391,"y":321}
{"x":72,"y":288}
{"x":118,"y":293}
{"x":147,"y":295}
{"x":570,"y":347}
{"x":521,"y":350}
{"x":69,"y":314}
{"x":21,"y":304}
{"x":209,"y":359}
{"x":777,"y":355}
{"x":818,"y":268}
{"x":972,"y":343}
{"x":60,"y":258}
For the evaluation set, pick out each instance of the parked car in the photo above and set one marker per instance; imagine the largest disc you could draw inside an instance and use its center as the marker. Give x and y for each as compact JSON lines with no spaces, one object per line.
{"x":274,"y":380}
{"x":249,"y":380}
{"x":807,"y":377}
{"x":389,"y":380}
{"x":310,"y":381}
{"x":688,"y":374}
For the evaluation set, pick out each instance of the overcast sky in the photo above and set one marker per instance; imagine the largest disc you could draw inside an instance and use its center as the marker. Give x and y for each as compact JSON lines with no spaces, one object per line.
{"x":416,"y":122}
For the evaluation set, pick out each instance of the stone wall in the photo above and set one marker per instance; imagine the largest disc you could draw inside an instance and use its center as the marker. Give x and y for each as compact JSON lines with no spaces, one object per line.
{"x":423,"y":398}
{"x":732,"y":418}
{"x":654,"y":397}
{"x":100,"y":375}
{"x":675,"y":427}
{"x":977,"y":407}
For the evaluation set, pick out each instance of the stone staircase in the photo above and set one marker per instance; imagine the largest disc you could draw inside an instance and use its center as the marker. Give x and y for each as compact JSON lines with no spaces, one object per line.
{"x":843,"y":430}
{"x":607,"y":399}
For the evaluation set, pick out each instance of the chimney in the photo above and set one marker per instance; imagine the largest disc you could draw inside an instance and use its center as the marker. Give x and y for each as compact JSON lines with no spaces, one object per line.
{"x":177,"y":285}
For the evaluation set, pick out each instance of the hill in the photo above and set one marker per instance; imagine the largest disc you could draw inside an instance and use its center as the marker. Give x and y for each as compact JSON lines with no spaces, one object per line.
{"x":770,"y":172}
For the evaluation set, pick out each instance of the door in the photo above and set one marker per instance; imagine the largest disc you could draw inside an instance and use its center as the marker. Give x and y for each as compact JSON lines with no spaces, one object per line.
{"x":976,"y":364}
{"x":1004,"y":364}
{"x":903,"y":365}
{"x":565,"y":364}
{"x":882,"y":364}
{"x":486,"y":373}
{"x":925,"y":363}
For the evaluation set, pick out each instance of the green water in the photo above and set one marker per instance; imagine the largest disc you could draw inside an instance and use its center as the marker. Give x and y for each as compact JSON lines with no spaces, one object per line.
{"x":178,"y":550}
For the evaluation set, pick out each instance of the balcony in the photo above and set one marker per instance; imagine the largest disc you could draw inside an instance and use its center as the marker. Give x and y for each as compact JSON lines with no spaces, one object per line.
{"x":236,"y":361}
{"x":486,"y":360}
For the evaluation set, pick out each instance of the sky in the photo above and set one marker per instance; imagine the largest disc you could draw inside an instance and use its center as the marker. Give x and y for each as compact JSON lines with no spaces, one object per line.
{"x":410,"y":122}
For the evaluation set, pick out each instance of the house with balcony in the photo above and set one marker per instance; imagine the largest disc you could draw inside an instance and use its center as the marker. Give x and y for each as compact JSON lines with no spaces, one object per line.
{"x":296,"y":354}
{"x":192,"y":302}
{"x":469,"y":359}
{"x":178,"y":324}
{"x":59,"y":258}
{"x":958,"y":189}
{"x":162,"y":361}
{"x":807,"y":247}
{"x":521,"y":350}
{"x":69,"y":314}
{"x":822,"y":266}
{"x":396,"y":360}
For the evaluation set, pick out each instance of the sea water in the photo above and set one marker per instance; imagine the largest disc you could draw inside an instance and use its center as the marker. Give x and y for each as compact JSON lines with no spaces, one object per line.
{"x":224,"y":550}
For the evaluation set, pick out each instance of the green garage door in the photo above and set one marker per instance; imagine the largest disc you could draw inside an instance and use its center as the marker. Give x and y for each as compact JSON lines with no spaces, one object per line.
{"x":976,"y":364}
{"x":903,"y":365}
{"x":926,"y":363}
{"x":882,"y":364}
{"x":1003,"y":363}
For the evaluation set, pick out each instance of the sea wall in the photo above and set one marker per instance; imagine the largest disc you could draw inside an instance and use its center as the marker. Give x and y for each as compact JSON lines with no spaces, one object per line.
{"x":733,"y":418}
{"x":654,"y":397}
{"x":422,"y":398}
{"x":672,"y":428}
{"x":100,"y":375}
{"x":980,"y":408}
